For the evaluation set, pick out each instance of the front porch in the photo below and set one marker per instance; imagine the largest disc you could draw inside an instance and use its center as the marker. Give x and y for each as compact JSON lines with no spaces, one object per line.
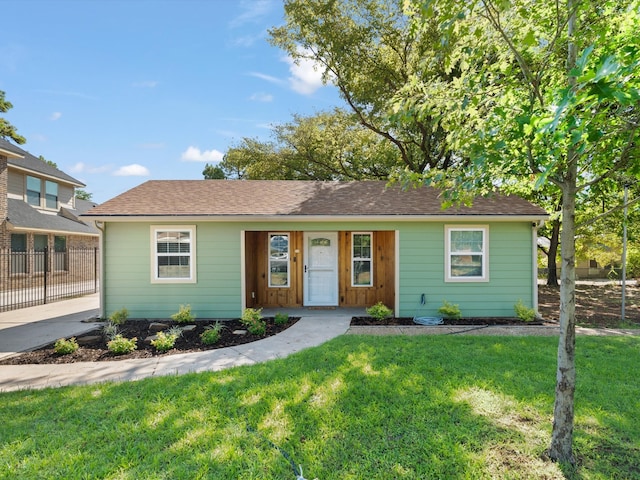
{"x":313,"y":270}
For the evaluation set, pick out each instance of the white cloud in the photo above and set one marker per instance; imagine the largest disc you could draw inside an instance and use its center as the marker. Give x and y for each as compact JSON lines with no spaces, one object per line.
{"x":194,"y":154}
{"x":133,"y":170}
{"x":306,"y":75}
{"x":267,"y":78}
{"x":82,"y":167}
{"x":55,"y":116}
{"x":146,"y":84}
{"x":252,"y":12}
{"x":261,"y":97}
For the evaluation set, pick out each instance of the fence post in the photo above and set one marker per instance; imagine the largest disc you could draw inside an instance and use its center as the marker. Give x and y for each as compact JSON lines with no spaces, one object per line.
{"x":46,"y":269}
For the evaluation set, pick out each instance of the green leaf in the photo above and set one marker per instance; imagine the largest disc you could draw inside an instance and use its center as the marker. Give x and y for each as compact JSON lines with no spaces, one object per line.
{"x":530,"y":39}
{"x":581,"y":62}
{"x":607,"y":67}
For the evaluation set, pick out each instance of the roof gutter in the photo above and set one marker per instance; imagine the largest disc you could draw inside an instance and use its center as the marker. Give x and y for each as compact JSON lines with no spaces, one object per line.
{"x":14,"y":228}
{"x":539,"y":219}
{"x":9,"y":153}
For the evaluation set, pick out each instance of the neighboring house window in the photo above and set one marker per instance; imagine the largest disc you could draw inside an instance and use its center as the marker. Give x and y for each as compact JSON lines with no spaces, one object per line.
{"x":51,"y":195}
{"x":60,"y":253}
{"x":173,"y":254}
{"x":467,"y":254}
{"x":18,"y":253}
{"x":34,"y":190}
{"x":361,"y":260}
{"x":278,"y":259}
{"x":39,"y":246}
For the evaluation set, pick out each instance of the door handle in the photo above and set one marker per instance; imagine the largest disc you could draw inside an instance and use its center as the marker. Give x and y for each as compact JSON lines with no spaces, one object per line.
{"x":305,"y":269}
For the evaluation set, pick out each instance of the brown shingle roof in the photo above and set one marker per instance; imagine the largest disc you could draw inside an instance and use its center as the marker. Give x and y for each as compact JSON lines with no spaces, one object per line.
{"x":295,"y":198}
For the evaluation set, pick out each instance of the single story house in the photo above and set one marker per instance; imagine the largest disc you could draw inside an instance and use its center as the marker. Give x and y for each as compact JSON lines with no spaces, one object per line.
{"x":225,"y":245}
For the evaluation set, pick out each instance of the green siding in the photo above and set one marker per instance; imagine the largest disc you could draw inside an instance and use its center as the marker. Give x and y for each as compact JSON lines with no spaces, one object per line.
{"x":218,"y":291}
{"x":422,"y":264}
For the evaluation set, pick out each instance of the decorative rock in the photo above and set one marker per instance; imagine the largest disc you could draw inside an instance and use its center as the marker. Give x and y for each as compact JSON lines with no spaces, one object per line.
{"x":239,"y":332}
{"x":157,"y":326}
{"x":149,"y":339}
{"x":188,"y":328}
{"x":88,"y":339}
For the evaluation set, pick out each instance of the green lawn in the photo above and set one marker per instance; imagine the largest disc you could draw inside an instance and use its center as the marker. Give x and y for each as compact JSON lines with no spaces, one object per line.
{"x":357,"y":407}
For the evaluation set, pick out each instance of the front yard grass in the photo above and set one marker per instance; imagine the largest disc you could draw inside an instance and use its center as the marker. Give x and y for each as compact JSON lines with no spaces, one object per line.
{"x":358,"y":407}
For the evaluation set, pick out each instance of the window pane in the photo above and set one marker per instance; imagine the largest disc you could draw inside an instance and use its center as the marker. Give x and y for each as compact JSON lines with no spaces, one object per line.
{"x":60,"y":244}
{"x":33,"y":191}
{"x":173,"y":267}
{"x":51,"y":194}
{"x":361,"y":245}
{"x":278,"y":260}
{"x":362,"y":272}
{"x":466,"y":240}
{"x":19,"y":242}
{"x":39,"y":243}
{"x":466,"y":265}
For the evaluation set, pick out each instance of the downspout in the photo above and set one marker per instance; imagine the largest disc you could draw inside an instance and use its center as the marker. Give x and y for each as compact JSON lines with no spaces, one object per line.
{"x":534,"y":255}
{"x":101,"y":227}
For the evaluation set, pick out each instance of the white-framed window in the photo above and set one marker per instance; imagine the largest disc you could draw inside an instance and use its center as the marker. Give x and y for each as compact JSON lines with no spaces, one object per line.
{"x":51,"y":195}
{"x":279,"y":259}
{"x":467,"y":253}
{"x":361,"y":259}
{"x":173,"y":250}
{"x":34,"y":190}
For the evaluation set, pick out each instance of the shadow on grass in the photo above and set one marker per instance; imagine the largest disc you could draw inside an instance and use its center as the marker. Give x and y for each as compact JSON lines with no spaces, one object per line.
{"x":356,"y":407}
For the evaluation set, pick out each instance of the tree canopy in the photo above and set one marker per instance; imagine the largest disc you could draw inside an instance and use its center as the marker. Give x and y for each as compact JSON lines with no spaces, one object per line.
{"x":368,"y":49}
{"x":543,"y":92}
{"x":325,"y":146}
{"x":8,"y":131}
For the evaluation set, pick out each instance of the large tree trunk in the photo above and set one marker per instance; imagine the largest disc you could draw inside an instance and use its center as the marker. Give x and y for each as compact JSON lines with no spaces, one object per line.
{"x":552,"y":265}
{"x":561,"y":448}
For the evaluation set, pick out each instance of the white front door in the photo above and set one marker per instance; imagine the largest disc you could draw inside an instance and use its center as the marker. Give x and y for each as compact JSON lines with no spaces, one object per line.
{"x":321,"y":269}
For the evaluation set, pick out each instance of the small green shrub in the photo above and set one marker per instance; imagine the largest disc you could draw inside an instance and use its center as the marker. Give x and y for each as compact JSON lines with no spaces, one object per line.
{"x":379,"y":311}
{"x":164,"y":341}
{"x":281,"y":318}
{"x":523,"y":312}
{"x":119,"y":317}
{"x":258,"y":327}
{"x":252,"y":319}
{"x":184,"y":315}
{"x":110,"y":330}
{"x":449,"y":310}
{"x":65,"y":347}
{"x":121,"y":345}
{"x":211,"y":334}
{"x":251,"y":315}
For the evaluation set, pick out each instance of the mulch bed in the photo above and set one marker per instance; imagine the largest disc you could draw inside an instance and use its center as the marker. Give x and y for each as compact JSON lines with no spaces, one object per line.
{"x":596,"y":306}
{"x":406,"y":321}
{"x":95,"y":349}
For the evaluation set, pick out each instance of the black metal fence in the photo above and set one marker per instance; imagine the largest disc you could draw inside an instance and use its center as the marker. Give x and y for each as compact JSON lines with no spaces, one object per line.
{"x":37,"y":277}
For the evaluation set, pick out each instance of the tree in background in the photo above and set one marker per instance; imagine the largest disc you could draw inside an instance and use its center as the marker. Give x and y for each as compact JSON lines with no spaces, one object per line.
{"x":8,"y":131}
{"x":83,"y":194}
{"x":213,"y":172}
{"x":325,"y":146}
{"x":368,"y":49}
{"x":543,"y":92}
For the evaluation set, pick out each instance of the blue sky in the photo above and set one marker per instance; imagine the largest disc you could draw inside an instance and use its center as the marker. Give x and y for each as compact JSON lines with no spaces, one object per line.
{"x":120,"y":92}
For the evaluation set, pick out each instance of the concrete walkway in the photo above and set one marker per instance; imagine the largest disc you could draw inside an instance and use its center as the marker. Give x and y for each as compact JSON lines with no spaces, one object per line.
{"x":29,"y":328}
